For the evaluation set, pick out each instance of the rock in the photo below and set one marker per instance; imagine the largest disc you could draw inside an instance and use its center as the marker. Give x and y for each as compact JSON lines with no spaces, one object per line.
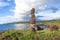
{"x":53,"y":27}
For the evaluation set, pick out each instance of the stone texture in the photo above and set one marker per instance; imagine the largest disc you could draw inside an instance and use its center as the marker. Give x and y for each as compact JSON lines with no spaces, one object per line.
{"x":33,"y":26}
{"x":53,"y":27}
{"x":32,"y":18}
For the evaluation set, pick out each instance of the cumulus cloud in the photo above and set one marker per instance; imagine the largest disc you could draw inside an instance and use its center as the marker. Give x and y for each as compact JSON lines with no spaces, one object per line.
{"x":5,"y":19}
{"x":23,"y":6}
{"x":45,"y":7}
{"x":3,"y":4}
{"x":8,"y":19}
{"x":49,"y":16}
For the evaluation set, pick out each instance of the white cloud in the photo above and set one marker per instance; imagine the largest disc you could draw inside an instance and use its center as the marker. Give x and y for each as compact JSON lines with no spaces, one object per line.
{"x":3,"y":4}
{"x":49,"y":16}
{"x":22,"y":6}
{"x":9,"y":19}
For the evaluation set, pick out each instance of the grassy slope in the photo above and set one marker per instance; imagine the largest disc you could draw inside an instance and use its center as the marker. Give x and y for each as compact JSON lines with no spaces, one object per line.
{"x":53,"y":22}
{"x":26,"y":35}
{"x":40,"y":35}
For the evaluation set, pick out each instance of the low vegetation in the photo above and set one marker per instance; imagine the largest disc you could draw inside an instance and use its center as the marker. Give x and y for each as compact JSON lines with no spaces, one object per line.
{"x":38,"y":35}
{"x":27,"y":35}
{"x":52,"y":22}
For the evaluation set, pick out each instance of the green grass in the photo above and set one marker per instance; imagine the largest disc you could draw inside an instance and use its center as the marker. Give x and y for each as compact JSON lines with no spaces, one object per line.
{"x":27,"y":35}
{"x":53,"y":22}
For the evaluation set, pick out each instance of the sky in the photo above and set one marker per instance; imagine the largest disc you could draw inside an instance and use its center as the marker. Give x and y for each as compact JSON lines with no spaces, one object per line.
{"x":19,"y":10}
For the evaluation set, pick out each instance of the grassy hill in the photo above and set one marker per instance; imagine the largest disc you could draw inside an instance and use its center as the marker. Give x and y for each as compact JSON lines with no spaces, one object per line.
{"x":53,"y":22}
{"x":27,"y":35}
{"x":38,"y":35}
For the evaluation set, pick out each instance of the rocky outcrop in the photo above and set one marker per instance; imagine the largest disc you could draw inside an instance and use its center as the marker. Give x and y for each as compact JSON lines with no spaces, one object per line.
{"x":53,"y":27}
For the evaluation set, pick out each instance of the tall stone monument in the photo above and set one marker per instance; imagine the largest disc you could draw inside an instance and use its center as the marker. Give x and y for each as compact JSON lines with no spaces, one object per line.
{"x":32,"y":18}
{"x":33,"y":26}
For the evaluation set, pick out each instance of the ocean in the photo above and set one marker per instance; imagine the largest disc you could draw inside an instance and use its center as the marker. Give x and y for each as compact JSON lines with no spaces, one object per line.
{"x":21,"y":26}
{"x":5,"y":27}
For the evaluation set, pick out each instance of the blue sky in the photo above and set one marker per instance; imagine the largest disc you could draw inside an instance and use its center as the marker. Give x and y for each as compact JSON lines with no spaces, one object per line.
{"x":19,"y":10}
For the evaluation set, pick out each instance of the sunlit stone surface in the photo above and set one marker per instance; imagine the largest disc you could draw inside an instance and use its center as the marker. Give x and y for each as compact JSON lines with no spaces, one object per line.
{"x":33,"y":25}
